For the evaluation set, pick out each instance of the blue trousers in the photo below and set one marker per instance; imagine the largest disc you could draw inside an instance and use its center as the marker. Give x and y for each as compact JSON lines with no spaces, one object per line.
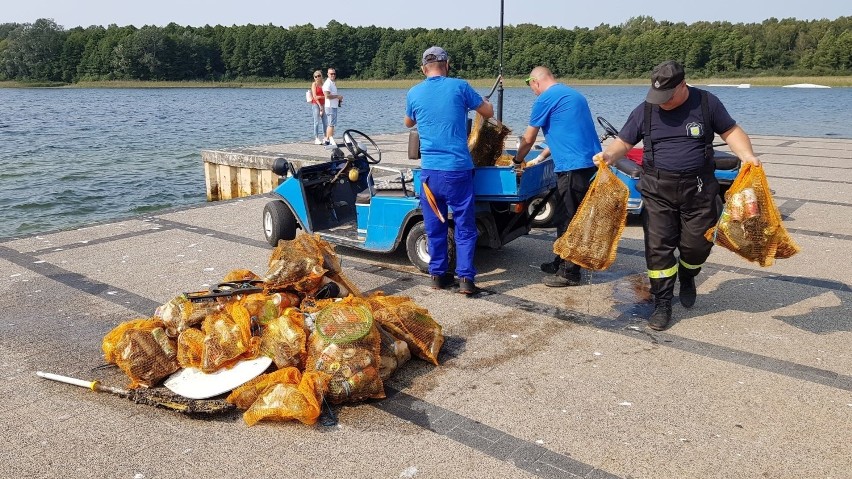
{"x":320,"y":123}
{"x":453,"y":190}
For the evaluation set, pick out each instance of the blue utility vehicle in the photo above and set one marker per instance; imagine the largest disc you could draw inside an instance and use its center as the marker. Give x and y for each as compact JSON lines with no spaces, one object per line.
{"x":352,"y":201}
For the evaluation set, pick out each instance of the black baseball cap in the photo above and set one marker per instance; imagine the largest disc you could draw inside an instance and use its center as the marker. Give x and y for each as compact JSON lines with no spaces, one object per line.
{"x":664,"y":79}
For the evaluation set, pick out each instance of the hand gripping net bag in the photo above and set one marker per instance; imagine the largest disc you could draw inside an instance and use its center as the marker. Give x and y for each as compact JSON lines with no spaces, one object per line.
{"x":750,"y":224}
{"x":591,"y":239}
{"x":486,"y":140}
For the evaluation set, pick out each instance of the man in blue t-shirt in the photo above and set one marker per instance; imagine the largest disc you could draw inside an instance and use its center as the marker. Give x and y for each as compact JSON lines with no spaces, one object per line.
{"x":438,"y":106}
{"x":563,"y":115}
{"x":676,"y":125}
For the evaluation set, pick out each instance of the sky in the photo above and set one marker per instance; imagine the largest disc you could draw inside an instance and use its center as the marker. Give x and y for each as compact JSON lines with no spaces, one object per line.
{"x":409,"y":14}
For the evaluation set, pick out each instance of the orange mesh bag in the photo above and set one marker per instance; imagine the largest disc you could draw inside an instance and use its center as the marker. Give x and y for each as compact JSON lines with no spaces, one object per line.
{"x":393,"y":354}
{"x":181,"y":313}
{"x":110,"y":341}
{"x":750,"y":224}
{"x":190,"y":348}
{"x":345,"y":345}
{"x":264,"y":308}
{"x":299,"y":398}
{"x":486,"y":140}
{"x":505,"y":160}
{"x":313,"y":305}
{"x":145,"y":353}
{"x":404,"y":319}
{"x":332,"y":263}
{"x":244,"y":396}
{"x":591,"y":239}
{"x":296,"y":264}
{"x":240,"y":275}
{"x":283,"y":339}
{"x":227,"y":338}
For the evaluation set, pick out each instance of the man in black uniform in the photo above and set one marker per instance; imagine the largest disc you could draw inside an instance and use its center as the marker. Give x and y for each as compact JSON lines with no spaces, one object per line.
{"x":676,"y":124}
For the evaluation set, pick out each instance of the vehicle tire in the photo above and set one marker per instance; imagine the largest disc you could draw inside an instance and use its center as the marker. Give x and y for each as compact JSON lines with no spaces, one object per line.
{"x":278,"y":222}
{"x":544,"y":218}
{"x":417,"y":248}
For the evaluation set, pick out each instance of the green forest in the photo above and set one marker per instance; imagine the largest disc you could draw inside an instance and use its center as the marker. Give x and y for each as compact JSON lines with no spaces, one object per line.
{"x":46,"y":52}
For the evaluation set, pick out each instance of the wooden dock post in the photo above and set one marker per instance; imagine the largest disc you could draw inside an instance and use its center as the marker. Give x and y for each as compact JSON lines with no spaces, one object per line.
{"x":236,"y":173}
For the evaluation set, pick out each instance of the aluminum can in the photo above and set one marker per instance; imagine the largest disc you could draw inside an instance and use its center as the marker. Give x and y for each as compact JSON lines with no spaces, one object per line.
{"x":736,"y":207}
{"x":751,"y":208}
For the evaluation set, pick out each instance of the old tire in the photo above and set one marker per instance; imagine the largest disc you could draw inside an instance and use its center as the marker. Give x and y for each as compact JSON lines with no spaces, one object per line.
{"x":544,"y":218}
{"x":417,"y":248}
{"x":278,"y":222}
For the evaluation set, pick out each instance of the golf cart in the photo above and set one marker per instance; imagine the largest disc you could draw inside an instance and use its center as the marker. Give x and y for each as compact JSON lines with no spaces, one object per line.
{"x":352,"y":201}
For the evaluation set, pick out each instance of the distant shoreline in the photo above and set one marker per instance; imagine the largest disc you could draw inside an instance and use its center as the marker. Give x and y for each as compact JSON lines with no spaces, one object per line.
{"x":774,"y":81}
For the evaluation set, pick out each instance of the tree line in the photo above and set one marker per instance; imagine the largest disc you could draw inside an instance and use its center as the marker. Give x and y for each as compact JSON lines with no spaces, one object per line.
{"x":46,"y":52}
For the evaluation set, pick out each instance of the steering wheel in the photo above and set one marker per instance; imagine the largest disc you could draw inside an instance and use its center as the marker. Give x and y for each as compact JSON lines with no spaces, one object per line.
{"x":350,"y":138}
{"x":607,"y":126}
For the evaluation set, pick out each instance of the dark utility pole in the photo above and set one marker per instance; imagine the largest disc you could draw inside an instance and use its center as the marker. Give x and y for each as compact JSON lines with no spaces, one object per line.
{"x":500,"y":86}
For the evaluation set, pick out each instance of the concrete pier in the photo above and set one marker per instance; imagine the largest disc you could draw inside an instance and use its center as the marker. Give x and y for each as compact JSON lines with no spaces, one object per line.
{"x":238,"y":172}
{"x":755,"y":381}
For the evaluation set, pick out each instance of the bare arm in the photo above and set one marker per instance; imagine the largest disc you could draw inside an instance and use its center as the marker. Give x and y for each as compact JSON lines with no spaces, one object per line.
{"x":615,"y":150}
{"x":408,"y":122}
{"x":740,"y":144}
{"x":317,"y":101}
{"x":330,"y":96}
{"x":486,"y":109}
{"x":527,"y":140}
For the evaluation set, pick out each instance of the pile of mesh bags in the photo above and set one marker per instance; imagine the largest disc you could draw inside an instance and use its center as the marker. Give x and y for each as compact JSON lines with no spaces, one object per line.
{"x":338,"y":348}
{"x":591,"y":239}
{"x":750,"y":224}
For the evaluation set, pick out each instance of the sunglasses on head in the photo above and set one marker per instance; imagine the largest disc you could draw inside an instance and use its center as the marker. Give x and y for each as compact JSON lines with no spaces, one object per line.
{"x":528,"y":80}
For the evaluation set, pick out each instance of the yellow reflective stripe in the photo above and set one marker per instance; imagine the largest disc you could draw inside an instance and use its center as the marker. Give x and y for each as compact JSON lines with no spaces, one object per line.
{"x":662,"y":273}
{"x":690,"y":266}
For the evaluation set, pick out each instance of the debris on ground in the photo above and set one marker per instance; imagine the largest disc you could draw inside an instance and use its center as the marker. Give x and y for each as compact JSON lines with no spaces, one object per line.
{"x":326,"y":341}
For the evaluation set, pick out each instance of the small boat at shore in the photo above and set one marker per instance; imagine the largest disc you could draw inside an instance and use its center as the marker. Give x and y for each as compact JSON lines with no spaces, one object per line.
{"x":805,"y":85}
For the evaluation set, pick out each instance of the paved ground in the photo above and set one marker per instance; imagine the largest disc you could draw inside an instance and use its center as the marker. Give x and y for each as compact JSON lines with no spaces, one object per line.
{"x":755,"y":381}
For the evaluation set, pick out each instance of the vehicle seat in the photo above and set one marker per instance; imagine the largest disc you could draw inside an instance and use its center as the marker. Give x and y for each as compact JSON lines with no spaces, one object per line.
{"x":628,"y":167}
{"x":363,"y":198}
{"x":399,"y":183}
{"x":726,"y":161}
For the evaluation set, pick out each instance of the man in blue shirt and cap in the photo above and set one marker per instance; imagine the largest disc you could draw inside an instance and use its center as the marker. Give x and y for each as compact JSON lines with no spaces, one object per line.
{"x":438,"y":106}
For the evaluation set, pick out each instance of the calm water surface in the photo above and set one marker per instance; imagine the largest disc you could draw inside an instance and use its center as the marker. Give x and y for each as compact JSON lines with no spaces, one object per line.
{"x":71,"y":157}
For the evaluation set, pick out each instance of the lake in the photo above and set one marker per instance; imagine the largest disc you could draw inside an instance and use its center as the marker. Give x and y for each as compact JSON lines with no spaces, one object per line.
{"x":72,"y":157}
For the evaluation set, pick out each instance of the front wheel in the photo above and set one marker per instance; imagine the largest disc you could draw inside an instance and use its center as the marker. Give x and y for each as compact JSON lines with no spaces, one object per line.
{"x":417,"y":247}
{"x":278,"y":222}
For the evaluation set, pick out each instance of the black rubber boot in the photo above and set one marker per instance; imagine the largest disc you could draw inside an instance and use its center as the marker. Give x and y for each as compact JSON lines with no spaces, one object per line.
{"x":467,"y":287}
{"x":687,"y":292}
{"x":442,"y":281}
{"x":568,"y":274}
{"x":661,"y":316}
{"x":551,"y":267}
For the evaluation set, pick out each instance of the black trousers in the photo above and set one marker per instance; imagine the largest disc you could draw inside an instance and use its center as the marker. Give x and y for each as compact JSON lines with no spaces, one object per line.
{"x":571,"y":188}
{"x":679,"y":209}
